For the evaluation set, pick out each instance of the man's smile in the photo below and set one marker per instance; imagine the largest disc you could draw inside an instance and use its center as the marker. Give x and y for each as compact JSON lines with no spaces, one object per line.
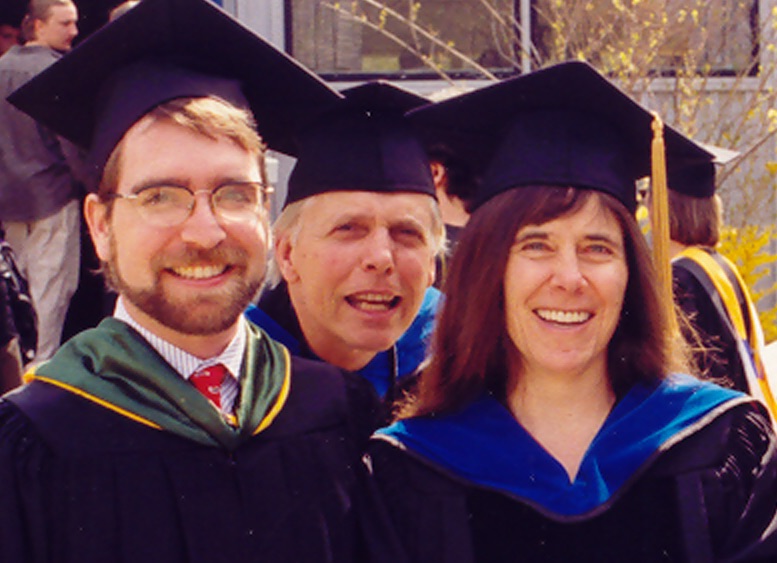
{"x":373,"y":301}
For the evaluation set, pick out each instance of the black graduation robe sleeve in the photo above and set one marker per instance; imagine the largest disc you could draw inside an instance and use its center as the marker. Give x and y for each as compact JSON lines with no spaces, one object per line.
{"x":24,"y":514}
{"x":714,"y":348}
{"x":428,"y":509}
{"x":367,"y":411}
{"x":737,"y":491}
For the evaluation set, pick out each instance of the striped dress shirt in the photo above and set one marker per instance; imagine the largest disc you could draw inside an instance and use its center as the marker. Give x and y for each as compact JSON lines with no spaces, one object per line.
{"x":186,"y":364}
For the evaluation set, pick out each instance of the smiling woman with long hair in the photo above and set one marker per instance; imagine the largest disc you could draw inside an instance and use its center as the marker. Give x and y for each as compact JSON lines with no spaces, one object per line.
{"x":553,"y":422}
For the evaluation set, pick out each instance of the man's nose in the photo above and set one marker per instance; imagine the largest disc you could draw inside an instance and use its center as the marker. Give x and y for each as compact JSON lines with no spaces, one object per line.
{"x":202,"y":227}
{"x":379,"y":252}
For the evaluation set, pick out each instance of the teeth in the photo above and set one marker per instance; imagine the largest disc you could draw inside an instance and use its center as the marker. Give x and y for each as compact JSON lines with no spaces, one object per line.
{"x":372,"y":306}
{"x":199,"y":272}
{"x":372,"y":301}
{"x":375,"y":297}
{"x":564,"y":317}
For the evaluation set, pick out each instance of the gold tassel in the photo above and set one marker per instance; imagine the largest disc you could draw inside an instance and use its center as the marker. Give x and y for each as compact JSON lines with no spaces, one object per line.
{"x":659,"y":213}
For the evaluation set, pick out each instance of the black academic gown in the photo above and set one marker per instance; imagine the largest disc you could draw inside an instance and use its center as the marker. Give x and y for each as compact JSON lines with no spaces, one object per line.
{"x":708,"y":493}
{"x":83,"y":483}
{"x":720,"y":360}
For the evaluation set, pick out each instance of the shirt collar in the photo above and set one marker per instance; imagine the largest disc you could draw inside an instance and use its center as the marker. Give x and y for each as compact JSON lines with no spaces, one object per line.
{"x":183,"y":362}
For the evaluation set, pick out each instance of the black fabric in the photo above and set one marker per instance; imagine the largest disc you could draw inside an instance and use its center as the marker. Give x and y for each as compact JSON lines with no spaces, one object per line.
{"x":382,"y":96}
{"x":727,"y":472}
{"x":642,"y":527}
{"x":695,"y":179}
{"x":20,"y":318}
{"x":276,"y":302}
{"x":81,"y":483}
{"x":7,"y":326}
{"x":716,"y":355}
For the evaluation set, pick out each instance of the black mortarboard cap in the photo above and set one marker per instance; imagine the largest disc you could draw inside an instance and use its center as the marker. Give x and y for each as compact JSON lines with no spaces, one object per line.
{"x":696,"y":178}
{"x":564,"y":125}
{"x":166,"y":49}
{"x":363,"y":144}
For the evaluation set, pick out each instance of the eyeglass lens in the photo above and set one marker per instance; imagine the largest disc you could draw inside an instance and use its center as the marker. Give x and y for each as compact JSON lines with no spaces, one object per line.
{"x":172,"y":205}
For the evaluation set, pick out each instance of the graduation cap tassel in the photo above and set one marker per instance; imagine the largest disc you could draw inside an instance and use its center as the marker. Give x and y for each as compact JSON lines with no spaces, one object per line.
{"x":659,"y":212}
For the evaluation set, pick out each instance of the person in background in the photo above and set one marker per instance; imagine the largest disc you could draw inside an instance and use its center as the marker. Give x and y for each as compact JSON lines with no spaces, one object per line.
{"x":356,"y":243}
{"x":176,"y":431}
{"x":9,"y":36}
{"x":455,"y":187}
{"x":92,"y":301}
{"x":551,"y":424}
{"x":40,"y":176}
{"x":457,"y":161}
{"x":722,"y":326}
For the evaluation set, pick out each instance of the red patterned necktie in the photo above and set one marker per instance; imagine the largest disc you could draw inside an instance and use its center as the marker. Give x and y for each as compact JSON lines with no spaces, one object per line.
{"x":208,"y":380}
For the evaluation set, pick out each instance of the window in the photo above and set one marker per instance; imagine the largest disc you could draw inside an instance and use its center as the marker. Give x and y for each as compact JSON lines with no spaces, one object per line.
{"x":397,"y":38}
{"x":715,"y":37}
{"x":359,"y":38}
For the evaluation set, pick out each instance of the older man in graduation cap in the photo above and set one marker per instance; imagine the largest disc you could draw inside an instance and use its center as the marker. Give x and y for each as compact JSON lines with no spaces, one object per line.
{"x":177,"y":431}
{"x":356,"y":242}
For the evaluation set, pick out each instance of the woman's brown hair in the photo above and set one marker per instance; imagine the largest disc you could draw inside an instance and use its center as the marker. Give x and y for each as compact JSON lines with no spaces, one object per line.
{"x":694,"y":221}
{"x":470,"y":344}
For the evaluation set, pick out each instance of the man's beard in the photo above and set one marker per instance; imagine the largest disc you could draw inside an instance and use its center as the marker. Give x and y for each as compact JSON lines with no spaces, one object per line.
{"x":205,"y":314}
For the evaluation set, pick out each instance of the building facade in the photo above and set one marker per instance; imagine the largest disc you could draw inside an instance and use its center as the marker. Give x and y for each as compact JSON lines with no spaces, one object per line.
{"x":709,"y":67}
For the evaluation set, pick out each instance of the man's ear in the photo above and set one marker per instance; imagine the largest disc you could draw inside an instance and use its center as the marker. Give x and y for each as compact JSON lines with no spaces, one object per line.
{"x":96,"y":215}
{"x":439,"y":175}
{"x":36,"y":25}
{"x":284,"y":257}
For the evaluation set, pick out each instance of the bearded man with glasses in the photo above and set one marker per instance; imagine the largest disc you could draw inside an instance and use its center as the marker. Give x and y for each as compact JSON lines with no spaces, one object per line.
{"x":176,"y":430}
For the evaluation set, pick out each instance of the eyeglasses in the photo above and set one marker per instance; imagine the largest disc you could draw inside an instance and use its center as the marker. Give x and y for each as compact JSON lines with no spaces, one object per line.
{"x":169,"y":206}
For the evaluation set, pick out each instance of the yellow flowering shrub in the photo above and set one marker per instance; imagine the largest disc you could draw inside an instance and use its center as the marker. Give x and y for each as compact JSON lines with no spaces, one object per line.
{"x":749,"y":249}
